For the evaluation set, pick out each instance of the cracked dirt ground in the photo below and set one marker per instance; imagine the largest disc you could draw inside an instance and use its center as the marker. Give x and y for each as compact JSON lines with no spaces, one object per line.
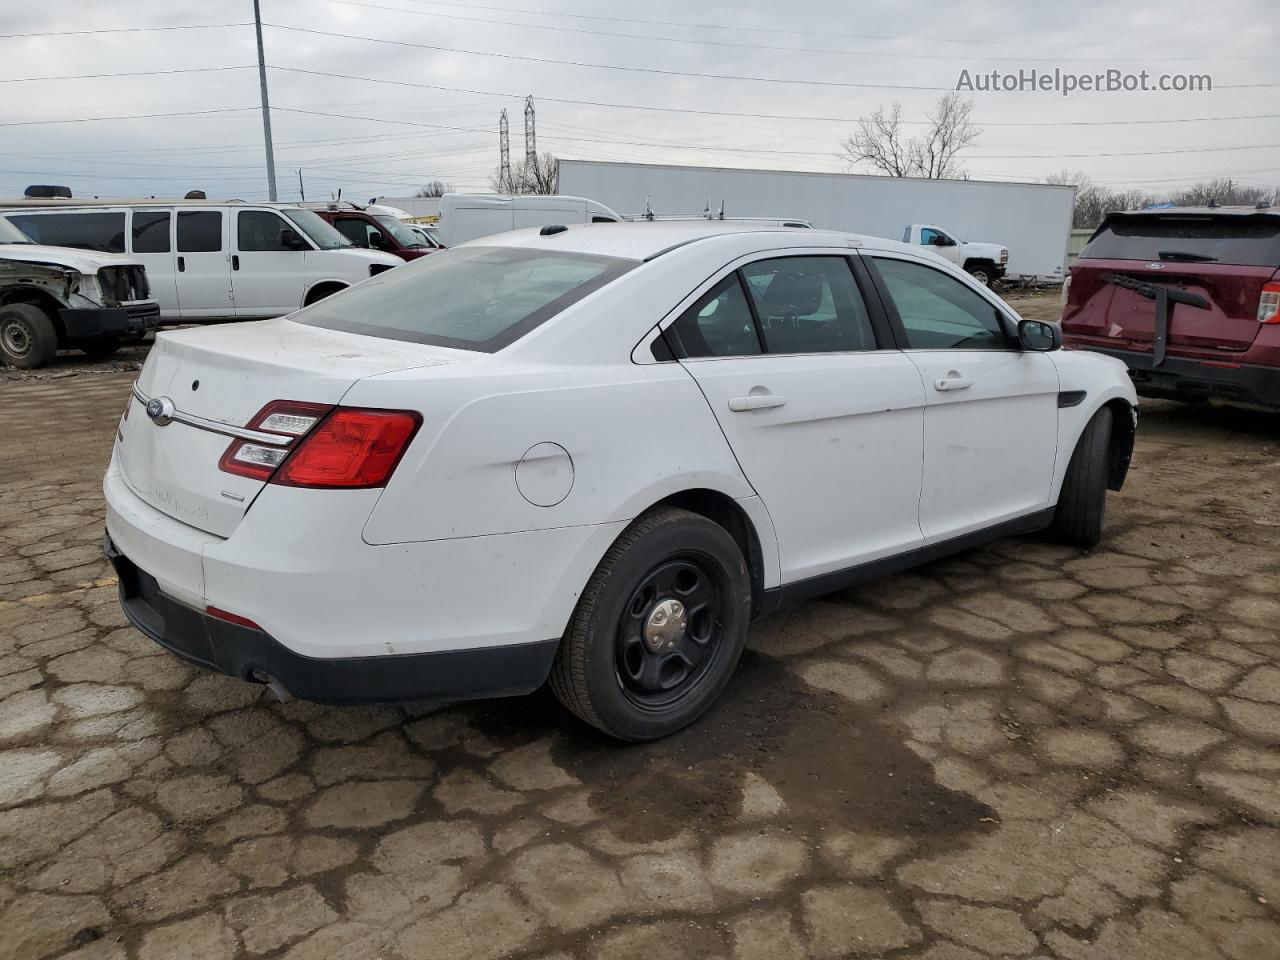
{"x":1022,"y":751}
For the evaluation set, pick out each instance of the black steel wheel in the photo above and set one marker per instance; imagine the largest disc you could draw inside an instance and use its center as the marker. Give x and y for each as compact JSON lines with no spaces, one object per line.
{"x":658,"y":629}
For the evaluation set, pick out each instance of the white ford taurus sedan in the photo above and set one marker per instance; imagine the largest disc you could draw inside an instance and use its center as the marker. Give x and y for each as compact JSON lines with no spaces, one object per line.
{"x":591,"y":454}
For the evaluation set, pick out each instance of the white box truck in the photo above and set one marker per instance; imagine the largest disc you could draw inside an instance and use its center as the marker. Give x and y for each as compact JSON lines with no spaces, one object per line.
{"x":1031,"y":220}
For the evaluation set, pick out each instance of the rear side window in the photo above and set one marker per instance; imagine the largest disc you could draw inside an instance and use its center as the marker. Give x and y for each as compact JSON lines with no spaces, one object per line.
{"x":473,"y":298}
{"x":1246,"y":240}
{"x":719,"y":324}
{"x":85,"y":231}
{"x":151,"y":231}
{"x":199,"y":231}
{"x":938,"y":312}
{"x":809,"y":305}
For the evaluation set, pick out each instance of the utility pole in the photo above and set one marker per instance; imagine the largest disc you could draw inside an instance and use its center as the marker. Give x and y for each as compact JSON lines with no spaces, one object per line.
{"x":530,"y":137}
{"x":266,"y":105}
{"x":504,"y":153}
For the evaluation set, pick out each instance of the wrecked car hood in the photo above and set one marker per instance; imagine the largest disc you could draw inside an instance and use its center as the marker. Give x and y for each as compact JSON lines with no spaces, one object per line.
{"x":87,"y":262}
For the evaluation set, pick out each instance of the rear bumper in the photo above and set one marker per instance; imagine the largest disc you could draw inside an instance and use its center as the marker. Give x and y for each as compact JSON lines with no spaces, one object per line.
{"x":1182,"y":379}
{"x":250,"y":654}
{"x":85,"y":324}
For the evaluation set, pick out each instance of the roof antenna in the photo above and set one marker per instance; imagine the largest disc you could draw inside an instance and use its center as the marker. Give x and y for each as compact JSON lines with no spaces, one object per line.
{"x":648,"y":207}
{"x":706,"y":211}
{"x":722,"y":208}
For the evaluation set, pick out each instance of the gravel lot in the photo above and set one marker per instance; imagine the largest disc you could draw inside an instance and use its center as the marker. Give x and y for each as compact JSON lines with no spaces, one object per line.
{"x":1022,"y":751}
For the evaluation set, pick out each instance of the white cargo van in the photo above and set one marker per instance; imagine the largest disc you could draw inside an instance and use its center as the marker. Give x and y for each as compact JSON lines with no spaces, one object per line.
{"x":466,"y":216}
{"x":210,"y":260}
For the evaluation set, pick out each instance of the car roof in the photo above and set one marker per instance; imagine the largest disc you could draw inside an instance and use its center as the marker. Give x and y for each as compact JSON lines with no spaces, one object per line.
{"x":646,"y":240}
{"x":1231,"y":211}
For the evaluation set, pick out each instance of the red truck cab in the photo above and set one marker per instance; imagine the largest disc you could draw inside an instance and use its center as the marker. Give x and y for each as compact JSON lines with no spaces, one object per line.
{"x":376,"y":230}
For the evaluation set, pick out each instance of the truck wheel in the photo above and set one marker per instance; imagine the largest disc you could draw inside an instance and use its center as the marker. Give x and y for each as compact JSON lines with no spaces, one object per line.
{"x":99,"y":348}
{"x":981,"y":273}
{"x":658,"y":629}
{"x":1077,"y":521}
{"x":27,"y":337}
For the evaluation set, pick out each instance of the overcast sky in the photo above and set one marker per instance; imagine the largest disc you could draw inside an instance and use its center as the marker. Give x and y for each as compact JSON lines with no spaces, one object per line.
{"x":436,"y":116}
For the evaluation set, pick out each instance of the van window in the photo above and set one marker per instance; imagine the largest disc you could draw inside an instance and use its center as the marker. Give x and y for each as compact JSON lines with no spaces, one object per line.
{"x":85,"y":231}
{"x":355,"y":229}
{"x":259,"y":230}
{"x":1242,"y":239}
{"x":471,"y":298}
{"x":151,"y":231}
{"x":199,"y":231}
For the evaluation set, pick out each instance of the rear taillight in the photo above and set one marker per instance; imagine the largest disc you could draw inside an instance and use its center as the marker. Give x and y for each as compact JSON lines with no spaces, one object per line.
{"x":351,"y":448}
{"x":1269,"y":304}
{"x":289,"y":420}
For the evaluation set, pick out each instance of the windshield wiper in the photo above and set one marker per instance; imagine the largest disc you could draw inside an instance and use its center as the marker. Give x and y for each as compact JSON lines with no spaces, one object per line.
{"x":1188,"y":257}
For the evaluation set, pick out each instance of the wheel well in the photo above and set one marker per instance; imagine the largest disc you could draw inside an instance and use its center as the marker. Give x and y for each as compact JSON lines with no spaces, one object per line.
{"x":979,"y":262}
{"x":322,"y":290}
{"x":720,"y":508}
{"x":47,"y":303}
{"x":1120,"y":452}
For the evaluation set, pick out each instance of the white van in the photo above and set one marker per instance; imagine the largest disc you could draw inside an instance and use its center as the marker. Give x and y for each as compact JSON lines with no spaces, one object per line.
{"x":466,"y":216}
{"x":210,"y":260}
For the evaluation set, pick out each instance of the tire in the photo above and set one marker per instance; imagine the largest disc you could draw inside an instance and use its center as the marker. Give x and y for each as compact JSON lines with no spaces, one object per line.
{"x":100,"y":348}
{"x":319,"y":293}
{"x":607,"y":670}
{"x":27,"y":336}
{"x":980,"y":273}
{"x":1077,"y":521}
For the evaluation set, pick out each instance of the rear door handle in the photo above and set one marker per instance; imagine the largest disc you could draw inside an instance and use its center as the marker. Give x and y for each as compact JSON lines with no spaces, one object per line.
{"x":757,"y":401}
{"x":953,"y":382}
{"x":235,"y":261}
{"x":182,"y":264}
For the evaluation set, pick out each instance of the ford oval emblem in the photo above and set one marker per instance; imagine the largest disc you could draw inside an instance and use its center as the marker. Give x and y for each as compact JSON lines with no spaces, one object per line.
{"x":160,"y":410}
{"x":1155,"y":266}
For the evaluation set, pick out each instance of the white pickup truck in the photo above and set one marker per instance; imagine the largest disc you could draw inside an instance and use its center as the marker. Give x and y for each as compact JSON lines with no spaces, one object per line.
{"x":985,"y":262}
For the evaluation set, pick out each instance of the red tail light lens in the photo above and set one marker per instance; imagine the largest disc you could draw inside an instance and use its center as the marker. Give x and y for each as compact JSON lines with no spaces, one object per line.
{"x":1269,"y":304}
{"x":351,"y":448}
{"x":288,"y":419}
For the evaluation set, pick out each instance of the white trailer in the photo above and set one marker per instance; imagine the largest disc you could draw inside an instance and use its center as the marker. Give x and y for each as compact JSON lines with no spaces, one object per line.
{"x":1031,"y":219}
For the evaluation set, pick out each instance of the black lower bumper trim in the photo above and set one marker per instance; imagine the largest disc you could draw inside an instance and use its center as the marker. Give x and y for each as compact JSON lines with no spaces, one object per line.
{"x":109,"y":321}
{"x":249,"y":654}
{"x":1180,"y":378}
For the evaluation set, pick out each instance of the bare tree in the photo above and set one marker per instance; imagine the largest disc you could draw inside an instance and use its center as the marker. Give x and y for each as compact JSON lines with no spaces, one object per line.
{"x":539,"y":175}
{"x":881,"y":142}
{"x":1222,"y":192}
{"x":435,"y":188}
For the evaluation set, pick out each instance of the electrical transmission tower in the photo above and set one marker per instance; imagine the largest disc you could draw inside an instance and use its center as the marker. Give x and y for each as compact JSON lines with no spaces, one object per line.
{"x":530,"y":136}
{"x":504,"y":154}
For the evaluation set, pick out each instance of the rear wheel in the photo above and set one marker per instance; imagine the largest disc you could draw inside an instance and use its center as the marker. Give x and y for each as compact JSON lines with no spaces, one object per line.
{"x":659,"y":628}
{"x":1082,"y":503}
{"x":27,"y":337}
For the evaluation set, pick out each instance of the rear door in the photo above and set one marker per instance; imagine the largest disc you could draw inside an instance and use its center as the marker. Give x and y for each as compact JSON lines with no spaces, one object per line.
{"x":151,"y":240}
{"x":991,"y":415}
{"x":826,"y":426}
{"x":267,"y":277}
{"x":204,"y":265}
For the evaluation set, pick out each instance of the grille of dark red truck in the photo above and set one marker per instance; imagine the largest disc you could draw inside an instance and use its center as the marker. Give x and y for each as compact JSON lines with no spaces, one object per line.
{"x":124,"y":284}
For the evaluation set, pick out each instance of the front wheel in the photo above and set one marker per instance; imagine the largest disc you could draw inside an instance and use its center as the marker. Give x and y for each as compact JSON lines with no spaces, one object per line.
{"x":27,"y":337}
{"x":981,"y":274}
{"x":659,"y":628}
{"x":1077,"y":520}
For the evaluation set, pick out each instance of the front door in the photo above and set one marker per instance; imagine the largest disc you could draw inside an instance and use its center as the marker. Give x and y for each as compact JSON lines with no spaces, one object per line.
{"x":267,"y":273}
{"x":991,"y":415}
{"x":151,"y":236}
{"x":204,"y":265}
{"x":826,"y":426}
{"x":941,"y":243}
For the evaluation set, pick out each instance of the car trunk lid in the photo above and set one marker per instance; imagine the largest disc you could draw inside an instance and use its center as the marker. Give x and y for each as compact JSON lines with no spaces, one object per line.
{"x":217,"y":379}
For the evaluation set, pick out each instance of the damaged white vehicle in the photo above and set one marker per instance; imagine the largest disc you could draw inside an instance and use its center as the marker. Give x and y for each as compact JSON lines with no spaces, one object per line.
{"x":55,"y":298}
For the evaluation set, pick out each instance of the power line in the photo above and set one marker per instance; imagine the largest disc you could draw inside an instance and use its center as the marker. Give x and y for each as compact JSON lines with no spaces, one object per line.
{"x":134,"y":116}
{"x":895,"y":54}
{"x":81,"y":33}
{"x":752,"y":116}
{"x":132,"y":73}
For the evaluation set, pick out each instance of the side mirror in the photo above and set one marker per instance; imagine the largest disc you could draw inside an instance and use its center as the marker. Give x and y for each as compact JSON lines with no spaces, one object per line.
{"x":937,"y":240}
{"x":289,"y":239}
{"x":1039,"y":336}
{"x":378,"y":241}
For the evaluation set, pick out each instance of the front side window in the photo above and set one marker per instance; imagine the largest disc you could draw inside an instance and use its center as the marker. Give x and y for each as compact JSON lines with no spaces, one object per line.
{"x":260,"y":230}
{"x":472,"y":298}
{"x":316,"y":229}
{"x":401,"y":231}
{"x":151,"y":231}
{"x":199,"y":231}
{"x":354,"y":229}
{"x":809,"y":305}
{"x":719,"y":324}
{"x":930,"y":237}
{"x":103,"y":232}
{"x":939,"y":312}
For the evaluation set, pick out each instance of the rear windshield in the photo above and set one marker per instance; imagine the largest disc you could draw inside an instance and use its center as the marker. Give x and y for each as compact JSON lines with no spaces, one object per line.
{"x":1239,"y":239}
{"x":472,"y":298}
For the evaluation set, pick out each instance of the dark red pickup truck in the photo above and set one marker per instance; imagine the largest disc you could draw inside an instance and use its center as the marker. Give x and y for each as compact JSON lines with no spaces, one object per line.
{"x":379,"y":231}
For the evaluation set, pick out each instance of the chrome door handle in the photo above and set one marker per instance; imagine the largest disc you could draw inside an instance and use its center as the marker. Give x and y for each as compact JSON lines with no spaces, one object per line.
{"x":757,"y":401}
{"x":953,"y":382}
